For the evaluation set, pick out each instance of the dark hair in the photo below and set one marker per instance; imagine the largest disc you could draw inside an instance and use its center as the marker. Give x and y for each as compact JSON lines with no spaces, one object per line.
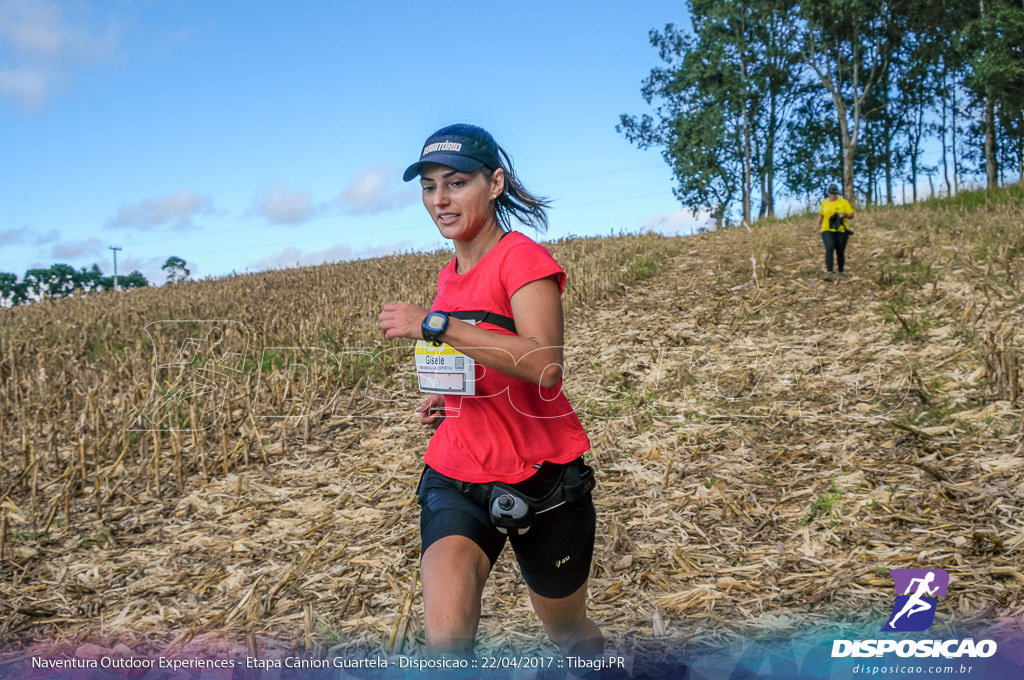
{"x":515,"y":201}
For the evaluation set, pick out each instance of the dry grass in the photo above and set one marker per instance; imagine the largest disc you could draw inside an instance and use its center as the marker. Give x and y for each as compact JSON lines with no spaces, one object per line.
{"x":738,"y":495}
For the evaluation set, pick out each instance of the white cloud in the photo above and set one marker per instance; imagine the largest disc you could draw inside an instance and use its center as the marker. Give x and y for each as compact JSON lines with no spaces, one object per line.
{"x":13,"y":236}
{"x":27,"y":87}
{"x":42,"y":48}
{"x":49,"y":237}
{"x":375,"y":190}
{"x":26,"y":236}
{"x":72,"y":250}
{"x":676,"y":223}
{"x":293,"y":257}
{"x":281,"y":205}
{"x":177,"y":209}
{"x":150,"y":267}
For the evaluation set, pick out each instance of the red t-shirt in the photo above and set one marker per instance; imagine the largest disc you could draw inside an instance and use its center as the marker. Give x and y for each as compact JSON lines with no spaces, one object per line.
{"x":509,"y":426}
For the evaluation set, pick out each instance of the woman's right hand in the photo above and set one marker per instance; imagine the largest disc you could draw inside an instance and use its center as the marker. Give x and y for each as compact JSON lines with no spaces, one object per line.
{"x":402,"y":320}
{"x":431,"y":410}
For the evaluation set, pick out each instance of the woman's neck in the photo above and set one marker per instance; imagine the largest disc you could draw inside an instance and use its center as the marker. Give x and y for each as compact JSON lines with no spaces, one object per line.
{"x":469,"y":253}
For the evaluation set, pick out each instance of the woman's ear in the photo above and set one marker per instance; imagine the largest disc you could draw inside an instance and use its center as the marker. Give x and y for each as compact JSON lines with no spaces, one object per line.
{"x":498,"y":182}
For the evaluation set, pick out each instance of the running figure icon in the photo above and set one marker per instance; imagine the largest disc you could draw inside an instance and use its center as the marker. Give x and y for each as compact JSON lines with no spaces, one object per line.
{"x":916,"y":604}
{"x":918,"y":591}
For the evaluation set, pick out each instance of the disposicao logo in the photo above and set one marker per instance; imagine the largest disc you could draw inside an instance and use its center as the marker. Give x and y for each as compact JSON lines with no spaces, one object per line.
{"x":917,"y":593}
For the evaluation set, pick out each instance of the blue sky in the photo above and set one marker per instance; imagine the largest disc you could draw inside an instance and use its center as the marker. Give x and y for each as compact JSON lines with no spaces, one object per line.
{"x":245,"y":136}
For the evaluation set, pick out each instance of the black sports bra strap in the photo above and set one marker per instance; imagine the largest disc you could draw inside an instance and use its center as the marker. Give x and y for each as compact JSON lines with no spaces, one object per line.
{"x":499,"y":320}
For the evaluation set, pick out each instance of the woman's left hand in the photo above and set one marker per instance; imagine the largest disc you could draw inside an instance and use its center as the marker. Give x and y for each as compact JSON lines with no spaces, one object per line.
{"x":402,"y":320}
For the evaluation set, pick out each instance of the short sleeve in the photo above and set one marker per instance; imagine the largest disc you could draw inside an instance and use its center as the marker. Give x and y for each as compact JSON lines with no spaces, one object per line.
{"x":528,"y":261}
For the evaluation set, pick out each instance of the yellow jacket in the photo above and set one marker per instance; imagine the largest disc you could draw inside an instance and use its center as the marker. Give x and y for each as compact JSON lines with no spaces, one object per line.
{"x":829,"y":208}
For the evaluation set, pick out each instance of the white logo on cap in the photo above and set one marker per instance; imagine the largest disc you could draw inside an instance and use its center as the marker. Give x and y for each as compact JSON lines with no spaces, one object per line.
{"x":441,"y":146}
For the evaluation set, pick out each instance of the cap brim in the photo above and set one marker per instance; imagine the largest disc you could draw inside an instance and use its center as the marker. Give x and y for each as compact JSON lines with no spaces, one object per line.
{"x":460,"y":163}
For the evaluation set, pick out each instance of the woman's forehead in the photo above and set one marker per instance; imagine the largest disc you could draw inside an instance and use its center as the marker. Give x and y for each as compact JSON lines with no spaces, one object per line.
{"x":435,"y":171}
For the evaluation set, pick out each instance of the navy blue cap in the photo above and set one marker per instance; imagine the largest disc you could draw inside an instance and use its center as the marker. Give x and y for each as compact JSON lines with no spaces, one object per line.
{"x":467,"y":148}
{"x":833,"y":189}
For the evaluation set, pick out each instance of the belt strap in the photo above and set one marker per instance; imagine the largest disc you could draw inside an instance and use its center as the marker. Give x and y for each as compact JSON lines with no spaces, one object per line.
{"x":575,"y":480}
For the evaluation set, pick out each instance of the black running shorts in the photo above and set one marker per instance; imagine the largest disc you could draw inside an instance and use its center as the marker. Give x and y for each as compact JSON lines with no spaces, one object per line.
{"x":554,"y":555}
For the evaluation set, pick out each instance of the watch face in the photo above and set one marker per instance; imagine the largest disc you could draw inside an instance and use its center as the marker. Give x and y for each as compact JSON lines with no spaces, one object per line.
{"x":435,"y":321}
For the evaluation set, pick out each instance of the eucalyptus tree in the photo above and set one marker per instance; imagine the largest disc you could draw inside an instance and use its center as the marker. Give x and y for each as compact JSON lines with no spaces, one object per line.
{"x":848,"y":45}
{"x":1013,"y":147}
{"x":133,"y":280}
{"x":941,"y":46}
{"x":91,"y":280}
{"x":916,"y":90}
{"x":996,"y":74}
{"x":176,"y":268}
{"x":774,"y":78}
{"x":60,"y":280}
{"x":690,"y":122}
{"x":12,"y":292}
{"x":812,"y":158}
{"x":721,"y":102}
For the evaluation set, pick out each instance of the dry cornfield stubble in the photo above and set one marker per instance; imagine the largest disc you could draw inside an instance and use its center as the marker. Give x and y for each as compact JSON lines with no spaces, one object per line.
{"x":768,"y":444}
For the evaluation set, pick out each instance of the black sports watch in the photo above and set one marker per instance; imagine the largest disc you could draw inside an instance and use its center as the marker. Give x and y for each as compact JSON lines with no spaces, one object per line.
{"x":434,"y":326}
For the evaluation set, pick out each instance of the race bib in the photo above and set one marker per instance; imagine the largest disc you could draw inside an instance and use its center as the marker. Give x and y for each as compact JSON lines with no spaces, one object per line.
{"x":444,"y":370}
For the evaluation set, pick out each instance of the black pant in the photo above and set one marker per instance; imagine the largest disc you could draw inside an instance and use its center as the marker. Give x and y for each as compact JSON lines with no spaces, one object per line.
{"x":835,"y":242}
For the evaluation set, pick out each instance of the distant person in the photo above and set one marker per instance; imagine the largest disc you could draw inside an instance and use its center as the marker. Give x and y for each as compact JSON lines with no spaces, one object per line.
{"x":834,"y":225}
{"x":512,"y":449}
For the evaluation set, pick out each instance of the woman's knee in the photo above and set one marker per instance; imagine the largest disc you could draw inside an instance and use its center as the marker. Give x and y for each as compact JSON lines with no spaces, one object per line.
{"x":565,"y":619}
{"x":453,"y":571}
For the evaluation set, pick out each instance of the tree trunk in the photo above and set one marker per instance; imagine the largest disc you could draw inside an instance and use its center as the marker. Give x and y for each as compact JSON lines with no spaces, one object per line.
{"x":991,"y":170}
{"x":915,"y":149}
{"x":746,"y":144}
{"x":942,"y":141}
{"x":952,"y":140}
{"x":1020,"y":160}
{"x":768,"y":194}
{"x":887,"y":135}
{"x":849,"y":147}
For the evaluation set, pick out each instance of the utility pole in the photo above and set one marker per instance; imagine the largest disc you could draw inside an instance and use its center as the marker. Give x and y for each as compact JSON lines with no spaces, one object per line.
{"x":115,"y":249}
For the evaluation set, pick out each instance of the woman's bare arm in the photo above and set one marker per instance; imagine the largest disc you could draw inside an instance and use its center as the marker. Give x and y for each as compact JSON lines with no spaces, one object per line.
{"x":534,"y":355}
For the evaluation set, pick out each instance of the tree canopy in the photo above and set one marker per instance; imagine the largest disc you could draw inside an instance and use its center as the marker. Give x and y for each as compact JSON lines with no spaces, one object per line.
{"x":61,"y":280}
{"x":844,"y":91}
{"x":177,"y":269}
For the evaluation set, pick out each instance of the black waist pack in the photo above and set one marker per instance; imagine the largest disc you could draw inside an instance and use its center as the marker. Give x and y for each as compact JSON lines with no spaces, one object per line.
{"x":512,"y":511}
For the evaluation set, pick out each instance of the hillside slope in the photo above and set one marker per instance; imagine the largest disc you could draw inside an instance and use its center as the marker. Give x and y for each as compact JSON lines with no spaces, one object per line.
{"x":768,"y":447}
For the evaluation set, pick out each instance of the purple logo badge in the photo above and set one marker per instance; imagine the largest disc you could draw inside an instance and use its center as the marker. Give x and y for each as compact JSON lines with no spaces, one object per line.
{"x":917,"y":593}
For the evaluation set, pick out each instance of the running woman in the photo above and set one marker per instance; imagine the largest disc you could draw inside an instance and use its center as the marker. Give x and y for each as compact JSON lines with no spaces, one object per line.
{"x":517,"y":432}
